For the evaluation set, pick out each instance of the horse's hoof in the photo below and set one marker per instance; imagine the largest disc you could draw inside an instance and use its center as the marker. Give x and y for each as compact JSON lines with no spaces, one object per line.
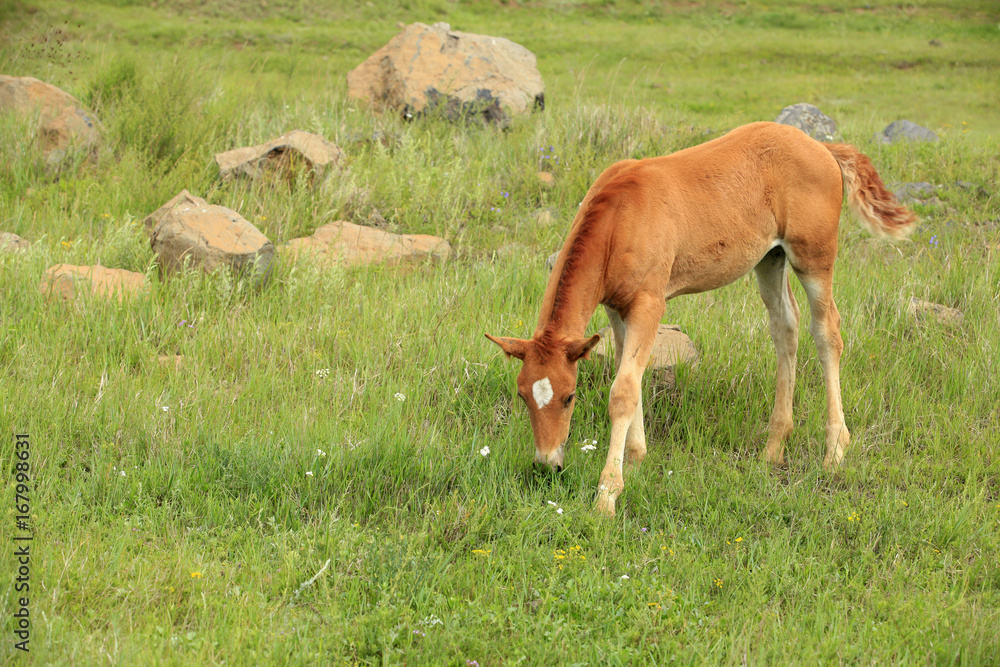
{"x":605,"y":505}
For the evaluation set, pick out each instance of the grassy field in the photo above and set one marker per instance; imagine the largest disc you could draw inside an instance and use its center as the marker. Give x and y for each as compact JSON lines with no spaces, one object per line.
{"x":328,"y":427}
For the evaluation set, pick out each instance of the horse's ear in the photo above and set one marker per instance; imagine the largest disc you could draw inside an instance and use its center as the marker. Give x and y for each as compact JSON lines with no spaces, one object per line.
{"x":512,"y":347}
{"x":580,"y":349}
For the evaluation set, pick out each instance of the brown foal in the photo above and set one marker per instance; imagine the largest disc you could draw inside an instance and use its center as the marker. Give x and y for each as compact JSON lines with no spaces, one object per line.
{"x":764,"y":197}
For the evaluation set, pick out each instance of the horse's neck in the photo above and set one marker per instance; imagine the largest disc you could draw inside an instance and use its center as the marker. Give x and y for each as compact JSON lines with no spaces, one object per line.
{"x":572,"y":295}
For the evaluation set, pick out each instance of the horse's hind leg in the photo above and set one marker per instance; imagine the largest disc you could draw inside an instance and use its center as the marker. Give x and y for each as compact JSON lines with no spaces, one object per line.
{"x":825,"y":329}
{"x":776,"y":291}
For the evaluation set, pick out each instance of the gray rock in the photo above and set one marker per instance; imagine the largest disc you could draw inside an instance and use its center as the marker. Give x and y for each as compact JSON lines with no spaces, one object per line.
{"x":908,"y":193}
{"x":979,"y":191}
{"x":810,"y":120}
{"x":904,"y":130}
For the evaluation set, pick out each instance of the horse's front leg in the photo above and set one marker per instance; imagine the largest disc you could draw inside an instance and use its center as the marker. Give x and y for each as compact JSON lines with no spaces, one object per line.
{"x":635,"y":438}
{"x":626,"y":399}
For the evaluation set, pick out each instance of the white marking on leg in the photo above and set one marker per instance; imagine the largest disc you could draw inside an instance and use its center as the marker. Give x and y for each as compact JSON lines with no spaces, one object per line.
{"x":542,"y":391}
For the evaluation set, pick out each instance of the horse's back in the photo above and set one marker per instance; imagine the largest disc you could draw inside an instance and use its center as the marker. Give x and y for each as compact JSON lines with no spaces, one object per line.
{"x":702,"y":217}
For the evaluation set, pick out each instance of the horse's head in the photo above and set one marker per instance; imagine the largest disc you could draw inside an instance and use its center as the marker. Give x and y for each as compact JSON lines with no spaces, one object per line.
{"x":547,"y":385}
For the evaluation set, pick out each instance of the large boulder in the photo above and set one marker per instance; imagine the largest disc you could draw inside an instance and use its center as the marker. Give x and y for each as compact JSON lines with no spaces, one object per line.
{"x":904,"y":130}
{"x":349,"y":244}
{"x":810,"y":120}
{"x":280,"y":156}
{"x":187,"y":229}
{"x":457,"y":73}
{"x":67,"y":281}
{"x":62,"y":122}
{"x":671,"y":347}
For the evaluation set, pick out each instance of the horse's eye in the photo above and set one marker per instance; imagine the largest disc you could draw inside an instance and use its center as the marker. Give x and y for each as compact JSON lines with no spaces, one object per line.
{"x":569,"y":400}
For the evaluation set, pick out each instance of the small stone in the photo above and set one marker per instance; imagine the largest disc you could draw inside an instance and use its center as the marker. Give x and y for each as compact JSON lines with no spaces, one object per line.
{"x":69,"y":282}
{"x":810,"y":120}
{"x":904,"y":130}
{"x":923,"y":310}
{"x":345,"y":243}
{"x":979,"y":191}
{"x":279,"y":156}
{"x":13,"y":243}
{"x":909,"y":193}
{"x":671,"y":347}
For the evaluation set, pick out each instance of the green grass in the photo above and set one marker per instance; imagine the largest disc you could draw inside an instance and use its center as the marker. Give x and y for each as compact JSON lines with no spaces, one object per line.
{"x":197,"y":554}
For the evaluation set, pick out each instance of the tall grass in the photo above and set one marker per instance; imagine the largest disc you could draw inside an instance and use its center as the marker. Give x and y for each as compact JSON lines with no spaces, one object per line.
{"x":201,"y":451}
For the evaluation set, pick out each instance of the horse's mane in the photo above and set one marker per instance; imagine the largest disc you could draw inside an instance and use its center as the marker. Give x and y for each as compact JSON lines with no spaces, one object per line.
{"x":580,"y":253}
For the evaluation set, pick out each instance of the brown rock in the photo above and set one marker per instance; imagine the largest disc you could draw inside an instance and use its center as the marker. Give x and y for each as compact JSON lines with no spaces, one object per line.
{"x":460,"y":73}
{"x":280,"y":155}
{"x":672,"y":346}
{"x":11,"y":242}
{"x":923,"y":310}
{"x":68,"y":281}
{"x":346,"y":243}
{"x":189,"y":229}
{"x":62,"y":122}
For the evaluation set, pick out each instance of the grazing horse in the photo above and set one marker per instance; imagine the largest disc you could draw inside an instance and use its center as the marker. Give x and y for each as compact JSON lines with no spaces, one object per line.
{"x":764,"y":197}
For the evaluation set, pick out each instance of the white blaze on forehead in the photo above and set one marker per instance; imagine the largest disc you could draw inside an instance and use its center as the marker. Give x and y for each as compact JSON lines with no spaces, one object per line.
{"x":542,"y":391}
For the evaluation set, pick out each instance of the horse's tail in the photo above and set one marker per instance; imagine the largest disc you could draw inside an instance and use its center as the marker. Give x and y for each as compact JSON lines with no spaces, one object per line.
{"x":874,"y":206}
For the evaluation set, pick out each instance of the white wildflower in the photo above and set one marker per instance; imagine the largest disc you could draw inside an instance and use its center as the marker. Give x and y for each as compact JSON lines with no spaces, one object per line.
{"x":624,"y":576}
{"x":559,"y":511}
{"x":309,"y":473}
{"x":485,"y":451}
{"x":399,"y":397}
{"x":320,"y":452}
